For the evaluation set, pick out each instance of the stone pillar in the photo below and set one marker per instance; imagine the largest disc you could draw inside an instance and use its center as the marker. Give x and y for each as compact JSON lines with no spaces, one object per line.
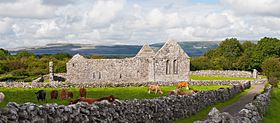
{"x":51,"y":71}
{"x":255,"y":73}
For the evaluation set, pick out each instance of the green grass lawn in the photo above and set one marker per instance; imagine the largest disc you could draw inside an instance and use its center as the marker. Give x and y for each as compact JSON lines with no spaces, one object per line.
{"x":272,"y":115}
{"x":195,"y":77}
{"x":203,"y":113}
{"x":21,"y":95}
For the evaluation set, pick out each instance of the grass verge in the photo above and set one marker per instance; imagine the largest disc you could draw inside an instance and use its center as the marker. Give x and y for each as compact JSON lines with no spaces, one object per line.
{"x":23,"y":95}
{"x":204,"y":112}
{"x":272,"y":114}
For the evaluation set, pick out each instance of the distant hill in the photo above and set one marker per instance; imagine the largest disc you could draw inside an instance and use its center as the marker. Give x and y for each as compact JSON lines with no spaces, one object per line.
{"x":192,"y":48}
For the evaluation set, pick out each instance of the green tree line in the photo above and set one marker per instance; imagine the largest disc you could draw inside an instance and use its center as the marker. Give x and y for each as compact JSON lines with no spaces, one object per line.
{"x":233,"y":55}
{"x":25,"y":66}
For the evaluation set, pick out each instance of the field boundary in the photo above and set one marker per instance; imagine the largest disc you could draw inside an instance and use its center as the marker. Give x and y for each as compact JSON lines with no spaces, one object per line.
{"x":124,"y":84}
{"x":162,"y":109}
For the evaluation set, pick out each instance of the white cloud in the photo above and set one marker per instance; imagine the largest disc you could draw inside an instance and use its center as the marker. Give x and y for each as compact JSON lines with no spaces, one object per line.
{"x":48,"y":29}
{"x":5,"y":25}
{"x":255,"y":7}
{"x":26,"y":9}
{"x":103,"y":12}
{"x":107,"y":22}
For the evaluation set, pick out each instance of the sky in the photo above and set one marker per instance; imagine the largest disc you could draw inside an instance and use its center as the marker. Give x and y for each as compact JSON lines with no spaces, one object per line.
{"x":26,"y":23}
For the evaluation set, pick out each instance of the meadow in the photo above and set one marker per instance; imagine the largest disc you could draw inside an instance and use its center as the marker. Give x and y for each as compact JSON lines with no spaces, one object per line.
{"x":23,"y":95}
{"x":272,"y":114}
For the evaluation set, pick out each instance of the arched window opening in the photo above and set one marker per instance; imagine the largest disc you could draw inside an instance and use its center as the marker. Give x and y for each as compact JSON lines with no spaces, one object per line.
{"x":175,"y":67}
{"x":99,"y":77}
{"x":93,"y":76}
{"x":167,"y":67}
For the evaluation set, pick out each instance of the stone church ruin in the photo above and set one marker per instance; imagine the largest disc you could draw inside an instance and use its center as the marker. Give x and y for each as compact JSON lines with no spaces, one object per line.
{"x":169,"y":64}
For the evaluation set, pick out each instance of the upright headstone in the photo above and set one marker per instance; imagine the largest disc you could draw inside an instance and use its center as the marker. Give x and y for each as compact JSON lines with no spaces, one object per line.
{"x":51,"y":71}
{"x":255,"y":73}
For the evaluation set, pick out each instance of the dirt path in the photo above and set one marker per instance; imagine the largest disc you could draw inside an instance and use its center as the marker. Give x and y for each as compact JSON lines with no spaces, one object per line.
{"x":235,"y":107}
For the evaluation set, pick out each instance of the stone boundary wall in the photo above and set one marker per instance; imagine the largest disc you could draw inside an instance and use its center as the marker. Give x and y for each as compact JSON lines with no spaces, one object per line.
{"x":125,"y":84}
{"x":158,"y":110}
{"x":229,"y":73}
{"x":252,"y":112}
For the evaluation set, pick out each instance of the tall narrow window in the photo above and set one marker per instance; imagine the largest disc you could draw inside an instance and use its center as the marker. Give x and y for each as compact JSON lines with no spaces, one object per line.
{"x":120,"y":76}
{"x":73,"y":65}
{"x":175,"y":67}
{"x":167,"y":67}
{"x":93,"y":76}
{"x":99,"y":75}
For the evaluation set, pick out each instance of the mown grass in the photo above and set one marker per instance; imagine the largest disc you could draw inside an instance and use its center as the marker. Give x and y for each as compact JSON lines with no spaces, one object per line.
{"x":195,"y":77}
{"x":203,"y":113}
{"x":272,"y":115}
{"x":21,"y":95}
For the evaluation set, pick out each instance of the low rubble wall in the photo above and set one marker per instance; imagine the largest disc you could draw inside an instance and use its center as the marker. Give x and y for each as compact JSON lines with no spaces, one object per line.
{"x":162,"y":109}
{"x":93,"y":85}
{"x":252,"y":112}
{"x":228,"y":73}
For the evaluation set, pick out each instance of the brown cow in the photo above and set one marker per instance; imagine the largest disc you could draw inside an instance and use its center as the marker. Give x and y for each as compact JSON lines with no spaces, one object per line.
{"x":183,"y":84}
{"x":92,"y":100}
{"x":83,"y":92}
{"x":54,"y":94}
{"x":154,"y":88}
{"x":70,"y":95}
{"x":181,"y":92}
{"x":64,"y":94}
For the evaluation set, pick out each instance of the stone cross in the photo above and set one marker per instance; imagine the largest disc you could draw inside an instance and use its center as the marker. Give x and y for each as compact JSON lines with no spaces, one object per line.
{"x":255,"y":73}
{"x":51,"y":71}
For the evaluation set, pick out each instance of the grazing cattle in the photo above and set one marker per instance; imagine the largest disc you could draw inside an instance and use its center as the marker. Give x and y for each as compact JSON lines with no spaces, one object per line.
{"x":183,"y":84}
{"x":83,"y":92}
{"x":91,"y":100}
{"x":54,"y":94}
{"x":70,"y":95}
{"x":2,"y":97}
{"x":64,"y":94}
{"x":180,"y":92}
{"x":110,"y":98}
{"x":154,"y":88}
{"x":173,"y":92}
{"x":41,"y":95}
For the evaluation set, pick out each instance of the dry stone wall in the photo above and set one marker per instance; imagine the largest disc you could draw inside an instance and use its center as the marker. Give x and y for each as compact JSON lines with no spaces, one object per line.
{"x":118,"y":84}
{"x":162,"y":109}
{"x":251,"y":113}
{"x":228,"y":73}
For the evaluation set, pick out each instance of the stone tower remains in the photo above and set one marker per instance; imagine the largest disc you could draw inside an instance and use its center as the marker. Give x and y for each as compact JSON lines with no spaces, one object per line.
{"x":51,"y":71}
{"x":255,"y":73}
{"x":169,"y":64}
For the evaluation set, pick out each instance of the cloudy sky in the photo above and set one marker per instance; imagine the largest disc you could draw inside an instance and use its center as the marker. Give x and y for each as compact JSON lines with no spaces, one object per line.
{"x":106,"y":22}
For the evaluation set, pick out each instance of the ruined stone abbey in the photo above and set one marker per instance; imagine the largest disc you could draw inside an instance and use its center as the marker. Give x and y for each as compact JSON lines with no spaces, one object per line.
{"x":169,"y":64}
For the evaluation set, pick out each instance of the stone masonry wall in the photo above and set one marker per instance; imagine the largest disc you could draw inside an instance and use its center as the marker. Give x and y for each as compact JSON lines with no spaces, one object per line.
{"x":229,"y":73}
{"x":125,"y":84}
{"x":251,"y":113}
{"x":158,"y":110}
{"x":170,"y":63}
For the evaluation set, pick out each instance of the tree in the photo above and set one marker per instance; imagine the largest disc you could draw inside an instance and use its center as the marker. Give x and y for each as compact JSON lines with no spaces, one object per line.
{"x":271,"y":68}
{"x":230,"y":48}
{"x":4,"y":53}
{"x":200,"y":63}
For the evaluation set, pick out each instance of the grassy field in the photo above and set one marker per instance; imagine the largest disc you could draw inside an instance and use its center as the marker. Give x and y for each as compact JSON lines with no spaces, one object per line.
{"x":20,"y":95}
{"x":195,"y":77}
{"x":203,"y":113}
{"x":272,"y":115}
